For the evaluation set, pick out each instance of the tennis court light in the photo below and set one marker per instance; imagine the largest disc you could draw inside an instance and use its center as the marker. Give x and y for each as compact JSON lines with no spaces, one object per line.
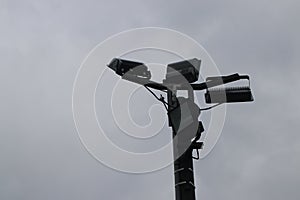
{"x":129,"y":68}
{"x":183,"y":113}
{"x":228,"y":94}
{"x":189,"y":69}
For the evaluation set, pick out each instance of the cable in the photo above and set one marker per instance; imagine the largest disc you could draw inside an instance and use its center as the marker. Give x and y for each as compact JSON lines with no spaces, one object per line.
{"x":161,"y":99}
{"x":208,"y":108}
{"x":152,"y":93}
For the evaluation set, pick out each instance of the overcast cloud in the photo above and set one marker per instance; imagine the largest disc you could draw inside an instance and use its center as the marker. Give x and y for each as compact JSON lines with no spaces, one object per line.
{"x":42,"y":44}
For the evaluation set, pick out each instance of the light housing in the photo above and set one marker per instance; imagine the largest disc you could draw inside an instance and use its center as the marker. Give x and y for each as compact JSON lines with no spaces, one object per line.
{"x":130,"y":68}
{"x":189,"y":69}
{"x":227,"y":94}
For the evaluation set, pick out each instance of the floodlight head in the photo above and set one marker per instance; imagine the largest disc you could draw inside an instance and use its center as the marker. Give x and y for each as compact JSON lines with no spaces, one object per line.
{"x":189,"y":69}
{"x":228,"y":94}
{"x":131,"y":68}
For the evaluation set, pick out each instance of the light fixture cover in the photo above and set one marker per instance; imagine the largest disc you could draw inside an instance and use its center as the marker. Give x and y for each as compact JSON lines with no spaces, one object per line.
{"x":187,"y":69}
{"x":130,"y":68}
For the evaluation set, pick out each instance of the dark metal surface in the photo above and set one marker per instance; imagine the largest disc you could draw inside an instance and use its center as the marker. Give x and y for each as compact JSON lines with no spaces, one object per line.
{"x":229,"y":95}
{"x":183,"y":71}
{"x":184,"y":146}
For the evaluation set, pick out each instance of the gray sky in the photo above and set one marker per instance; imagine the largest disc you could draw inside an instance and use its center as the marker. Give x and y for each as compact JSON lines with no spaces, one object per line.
{"x":42,"y":44}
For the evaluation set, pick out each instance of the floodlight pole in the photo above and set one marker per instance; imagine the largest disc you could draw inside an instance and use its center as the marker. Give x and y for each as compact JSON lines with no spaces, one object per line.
{"x":183,"y":166}
{"x":183,"y":161}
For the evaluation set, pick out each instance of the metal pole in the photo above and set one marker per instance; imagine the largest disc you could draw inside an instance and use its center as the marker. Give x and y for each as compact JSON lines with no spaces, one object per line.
{"x":183,"y":166}
{"x":184,"y":177}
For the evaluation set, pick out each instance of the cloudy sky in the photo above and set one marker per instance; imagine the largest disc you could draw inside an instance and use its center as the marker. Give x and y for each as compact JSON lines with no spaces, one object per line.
{"x":42,"y":45}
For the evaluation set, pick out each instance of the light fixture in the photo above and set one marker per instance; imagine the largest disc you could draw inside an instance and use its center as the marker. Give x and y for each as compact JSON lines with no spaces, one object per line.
{"x":129,"y":68}
{"x":228,"y":94}
{"x":189,"y":69}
